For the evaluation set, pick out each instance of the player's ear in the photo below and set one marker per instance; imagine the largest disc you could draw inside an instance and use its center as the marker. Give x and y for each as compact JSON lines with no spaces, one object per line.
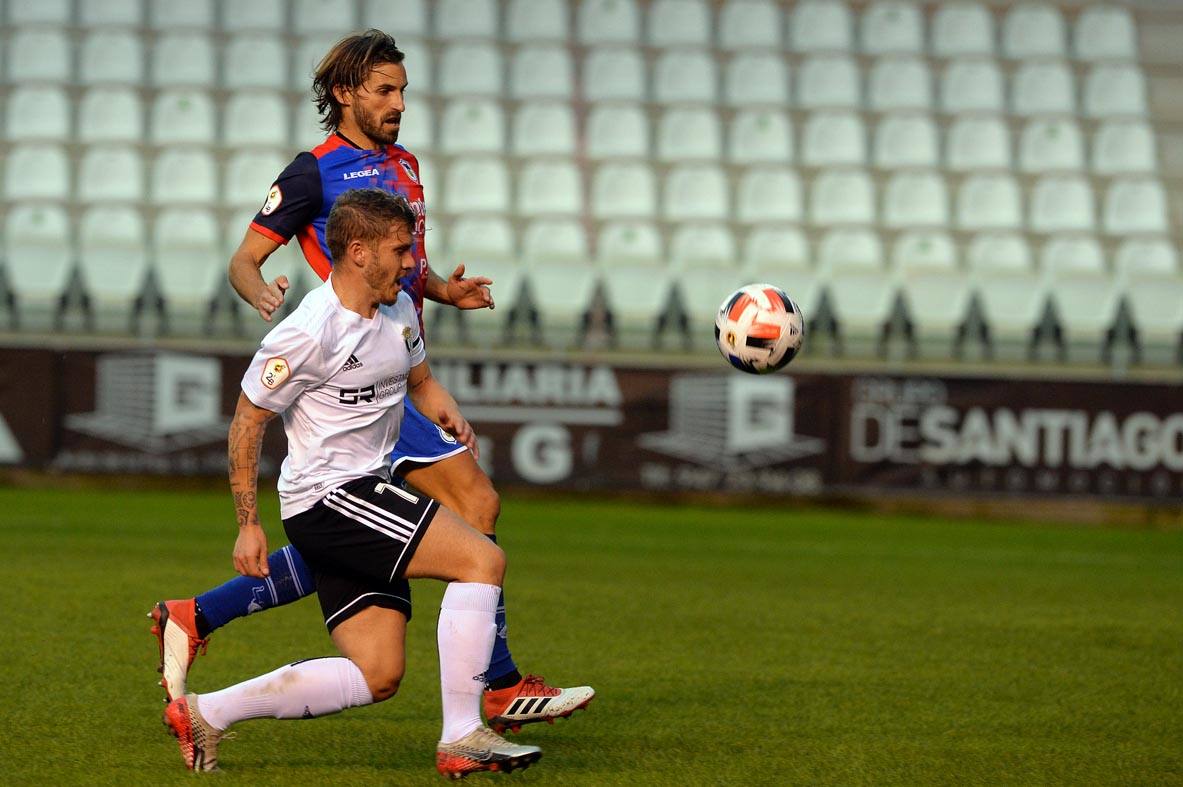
{"x":355,"y":252}
{"x":343,"y":95}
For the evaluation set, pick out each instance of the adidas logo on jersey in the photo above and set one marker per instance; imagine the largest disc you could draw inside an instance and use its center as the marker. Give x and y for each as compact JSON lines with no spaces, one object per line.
{"x":351,"y":364}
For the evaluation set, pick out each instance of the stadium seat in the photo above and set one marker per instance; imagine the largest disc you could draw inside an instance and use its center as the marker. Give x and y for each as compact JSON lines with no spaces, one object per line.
{"x":1135,"y":205}
{"x":892,"y":27}
{"x":477,"y":185}
{"x":113,"y":261}
{"x":181,"y":14}
{"x":408,"y":18}
{"x":550,"y":188}
{"x":1043,"y":88}
{"x":308,"y":132}
{"x":36,"y":171}
{"x":248,"y":176}
{"x":776,"y":248}
{"x":111,"y":13}
{"x":767,"y":195}
{"x":184,"y":176}
{"x":416,"y":129}
{"x":685,"y":76}
{"x":679,"y":23}
{"x":484,"y":238}
{"x":962,"y":28}
{"x":820,"y":26}
{"x":924,"y":250}
{"x":703,"y":245}
{"x":486,"y":327}
{"x":308,"y":53}
{"x":547,"y":241}
{"x":37,"y":113}
{"x":936,"y":294}
{"x":608,"y":22}
{"x":978,"y":142}
{"x":828,"y":81}
{"x":629,"y":244}
{"x":916,"y":199}
{"x":1115,"y":89}
{"x":1124,"y":146}
{"x":861,"y":301}
{"x":972,"y":86}
{"x":1032,"y":30}
{"x":907,"y":140}
{"x":1051,"y":144}
{"x":110,"y":114}
{"x":256,"y":60}
{"x":993,"y":252}
{"x":1066,"y":255}
{"x":1086,"y":305}
{"x":850,"y":249}
{"x":268,"y":15}
{"x":1156,"y":306}
{"x":842,"y":197}
{"x":471,"y":68}
{"x":418,"y":64}
{"x":760,"y":136}
{"x":473,"y":125}
{"x":1105,"y":32}
{"x":700,"y":292}
{"x":537,"y":20}
{"x":1145,"y":256}
{"x":1062,"y":203}
{"x":111,"y":57}
{"x":255,"y":117}
{"x":899,"y":83}
{"x":693,"y":192}
{"x":617,"y":131}
{"x":757,"y":78}
{"x":624,"y":190}
{"x":614,"y":74}
{"x":40,"y":12}
{"x":189,"y":262}
{"x":834,"y":138}
{"x":1012,"y":304}
{"x":989,"y":202}
{"x":636,"y":297}
{"x":39,"y":55}
{"x":750,"y":24}
{"x":111,"y":174}
{"x":689,"y":134}
{"x":430,"y":181}
{"x":183,"y":116}
{"x":184,"y":60}
{"x":541,"y":129}
{"x":542,"y":72}
{"x":455,"y":19}
{"x":39,"y":258}
{"x":323,"y":16}
{"x":562,"y":294}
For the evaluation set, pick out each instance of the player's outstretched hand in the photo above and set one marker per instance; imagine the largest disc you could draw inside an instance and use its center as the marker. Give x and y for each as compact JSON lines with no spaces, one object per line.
{"x":469,"y":293}
{"x":457,"y":426}
{"x":250,"y":552}
{"x":271,"y":297}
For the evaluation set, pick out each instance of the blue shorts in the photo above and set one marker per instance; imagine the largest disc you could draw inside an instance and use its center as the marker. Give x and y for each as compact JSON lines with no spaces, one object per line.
{"x":421,"y":441}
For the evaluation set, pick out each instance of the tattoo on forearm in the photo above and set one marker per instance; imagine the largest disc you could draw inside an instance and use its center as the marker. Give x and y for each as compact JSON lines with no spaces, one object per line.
{"x":244,"y":444}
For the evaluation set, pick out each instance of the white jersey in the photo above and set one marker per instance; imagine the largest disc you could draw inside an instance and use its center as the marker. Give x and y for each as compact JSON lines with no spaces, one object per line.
{"x":339,"y":380}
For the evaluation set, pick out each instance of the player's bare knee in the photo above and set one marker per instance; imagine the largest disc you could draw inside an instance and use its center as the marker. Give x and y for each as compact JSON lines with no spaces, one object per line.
{"x":484,"y":563}
{"x":481,"y":507}
{"x":383,"y":680}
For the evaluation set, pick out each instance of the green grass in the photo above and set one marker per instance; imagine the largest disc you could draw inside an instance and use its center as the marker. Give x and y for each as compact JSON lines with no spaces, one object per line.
{"x":726,"y":646}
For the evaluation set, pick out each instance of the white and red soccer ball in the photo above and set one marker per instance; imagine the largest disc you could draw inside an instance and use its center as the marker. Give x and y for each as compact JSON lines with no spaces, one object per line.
{"x":759,"y":328}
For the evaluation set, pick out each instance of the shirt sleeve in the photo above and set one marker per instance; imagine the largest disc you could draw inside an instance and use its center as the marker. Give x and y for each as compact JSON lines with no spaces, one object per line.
{"x":287,"y":363}
{"x":415,"y":346}
{"x":293,"y":201}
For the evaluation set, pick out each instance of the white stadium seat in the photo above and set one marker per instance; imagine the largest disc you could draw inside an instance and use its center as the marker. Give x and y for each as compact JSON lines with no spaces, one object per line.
{"x":111,"y":56}
{"x":760,"y":136}
{"x":757,"y":78}
{"x":180,"y":14}
{"x":617,"y":131}
{"x":608,"y":22}
{"x":485,"y":327}
{"x":1156,"y":305}
{"x":695,"y":191}
{"x":776,"y":248}
{"x":550,"y":188}
{"x":834,"y":138}
{"x":184,"y":59}
{"x":685,"y":76}
{"x":899,"y":83}
{"x":924,"y":250}
{"x":407,"y":17}
{"x":1043,"y":88}
{"x":183,"y":116}
{"x":248,"y":176}
{"x":1050,"y":144}
{"x":978,"y":142}
{"x":323,"y":16}
{"x":1086,"y":304}
{"x":561,"y":294}
{"x":418,"y":64}
{"x":700,"y":291}
{"x":484,"y":238}
{"x":113,"y":260}
{"x":892,"y":27}
{"x":39,"y":112}
{"x":993,"y":252}
{"x":1067,"y":255}
{"x":861,"y":300}
{"x":188,"y":262}
{"x":184,"y":176}
{"x":477,"y":185}
{"x":972,"y":86}
{"x":769,"y":195}
{"x":636,"y":297}
{"x":36,"y":171}
{"x":828,"y":81}
{"x":962,"y":28}
{"x":472,"y":126}
{"x":38,"y":254}
{"x":1062,"y":203}
{"x":541,"y":128}
{"x":255,"y":15}
{"x":308,"y":53}
{"x":111,"y":174}
{"x":537,"y":20}
{"x":820,"y":25}
{"x":989,"y":202}
{"x":39,"y":55}
{"x":1135,"y":205}
{"x":471,"y":68}
{"x":1032,"y":30}
{"x":111,"y":13}
{"x":614,"y":74}
{"x":621,"y":190}
{"x":542,"y":72}
{"x":916,"y":199}
{"x":1012,"y":304}
{"x":110,"y":114}
{"x":908,"y":140}
{"x":256,"y":60}
{"x":679,"y":23}
{"x":416,"y":129}
{"x":842,"y":197}
{"x":689,"y":134}
{"x":701,"y":244}
{"x":750,"y":24}
{"x":1114,"y":89}
{"x":255,"y":117}
{"x":936,"y":293}
{"x":40,"y":12}
{"x":465,"y":19}
{"x":1145,"y":256}
{"x":1124,"y":146}
{"x":1105,"y":32}
{"x":547,"y":241}
{"x":629,"y":244}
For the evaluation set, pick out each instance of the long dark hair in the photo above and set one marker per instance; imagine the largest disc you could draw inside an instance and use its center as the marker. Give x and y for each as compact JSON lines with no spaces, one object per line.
{"x":348,"y":64}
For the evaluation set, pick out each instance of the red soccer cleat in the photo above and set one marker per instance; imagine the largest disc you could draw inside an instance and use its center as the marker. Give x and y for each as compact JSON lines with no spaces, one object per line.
{"x":531,"y":701}
{"x":176,"y":634}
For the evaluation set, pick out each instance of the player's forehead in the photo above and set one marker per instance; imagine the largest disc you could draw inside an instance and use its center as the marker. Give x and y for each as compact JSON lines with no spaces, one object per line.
{"x":399,"y":234}
{"x":388,"y":75}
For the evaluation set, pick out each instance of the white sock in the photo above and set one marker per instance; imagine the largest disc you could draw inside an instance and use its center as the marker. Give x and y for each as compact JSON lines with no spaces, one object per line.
{"x":316,"y":687}
{"x":466,"y":632}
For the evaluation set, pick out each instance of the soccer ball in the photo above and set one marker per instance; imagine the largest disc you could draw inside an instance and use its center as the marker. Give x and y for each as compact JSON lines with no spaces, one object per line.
{"x":759,"y":328}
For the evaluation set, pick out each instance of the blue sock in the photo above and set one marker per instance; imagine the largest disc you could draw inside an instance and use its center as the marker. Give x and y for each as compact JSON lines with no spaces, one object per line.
{"x":290,"y":580}
{"x":501,"y":662}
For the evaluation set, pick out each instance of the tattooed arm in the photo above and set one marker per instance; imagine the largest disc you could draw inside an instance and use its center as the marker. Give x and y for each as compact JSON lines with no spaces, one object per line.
{"x":246,"y":440}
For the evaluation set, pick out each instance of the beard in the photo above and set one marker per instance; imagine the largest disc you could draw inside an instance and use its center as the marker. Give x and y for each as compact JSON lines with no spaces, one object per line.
{"x":371,"y":125}
{"x":386,"y":290}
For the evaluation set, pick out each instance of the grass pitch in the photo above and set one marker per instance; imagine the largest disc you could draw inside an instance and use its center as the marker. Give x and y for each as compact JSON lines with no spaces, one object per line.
{"x":726,"y":646}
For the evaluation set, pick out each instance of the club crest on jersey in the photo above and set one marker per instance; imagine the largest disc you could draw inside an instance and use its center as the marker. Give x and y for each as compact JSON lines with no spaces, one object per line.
{"x":275,"y":372}
{"x":361,"y":173}
{"x":410,"y":172}
{"x":407,"y":337}
{"x":274,"y":199}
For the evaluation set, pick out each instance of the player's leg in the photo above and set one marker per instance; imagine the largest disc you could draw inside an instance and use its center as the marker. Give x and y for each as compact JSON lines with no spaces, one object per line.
{"x":182,"y":626}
